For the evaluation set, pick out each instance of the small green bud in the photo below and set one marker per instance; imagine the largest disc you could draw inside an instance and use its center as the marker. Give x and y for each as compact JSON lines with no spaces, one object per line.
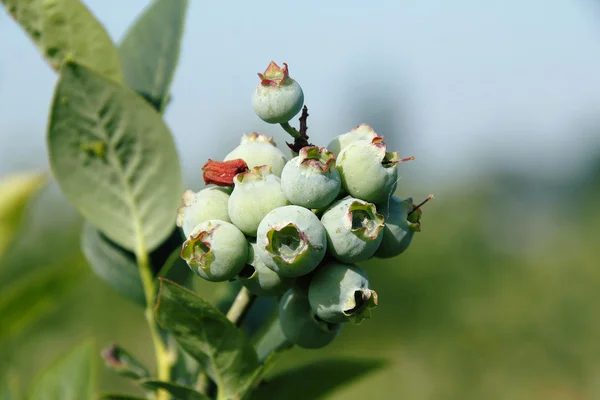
{"x":301,"y":326}
{"x":311,"y":180}
{"x":340,"y":292}
{"x":261,"y":280}
{"x":215,"y":250}
{"x":256,"y":150}
{"x":402,"y":220}
{"x":209,"y":203}
{"x":254,"y":195}
{"x":277,"y":98}
{"x":291,"y":241}
{"x":354,"y":229}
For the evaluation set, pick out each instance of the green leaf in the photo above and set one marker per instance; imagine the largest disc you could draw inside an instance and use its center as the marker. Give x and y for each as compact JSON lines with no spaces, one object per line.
{"x":114,"y":396}
{"x":150,"y":50}
{"x":114,"y":159}
{"x":177,"y":391}
{"x":113,"y":264}
{"x":123,"y":363}
{"x":185,"y":370}
{"x":67,"y":30}
{"x":72,"y":377}
{"x":208,"y":336}
{"x":15,"y":192}
{"x":292,"y":384}
{"x":118,"y":267}
{"x":34,"y":295}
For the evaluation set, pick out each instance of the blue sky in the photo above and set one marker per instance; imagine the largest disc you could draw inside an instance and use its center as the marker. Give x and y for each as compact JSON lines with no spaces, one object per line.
{"x":465,"y":84}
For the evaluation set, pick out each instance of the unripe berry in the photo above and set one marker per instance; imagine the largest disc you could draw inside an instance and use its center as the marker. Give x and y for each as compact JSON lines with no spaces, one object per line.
{"x":311,"y":180}
{"x":340,"y":292}
{"x":209,"y":203}
{"x":301,"y":326}
{"x":255,"y":193}
{"x":256,"y":150}
{"x":215,"y":250}
{"x":277,"y":98}
{"x":291,"y":241}
{"x":402,"y":220}
{"x":354,"y":229}
{"x":259,"y":279}
{"x":361,"y":132}
{"x":368,"y":171}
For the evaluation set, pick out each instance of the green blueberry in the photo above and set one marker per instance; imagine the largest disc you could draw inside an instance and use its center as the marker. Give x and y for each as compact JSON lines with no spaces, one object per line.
{"x":301,"y":326}
{"x":311,"y":180}
{"x":402,"y":220}
{"x":291,"y":241}
{"x":254,"y":195}
{"x":340,"y":292}
{"x":259,"y":279}
{"x":209,"y":203}
{"x":354,"y":229}
{"x":256,"y":150}
{"x":215,"y":250}
{"x":277,"y":98}
{"x":361,"y":132}
{"x":368,"y":171}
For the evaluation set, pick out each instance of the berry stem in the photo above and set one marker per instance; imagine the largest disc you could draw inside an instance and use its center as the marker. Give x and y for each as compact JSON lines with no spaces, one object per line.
{"x":291,"y":130}
{"x":163,"y":359}
{"x":240,"y":307}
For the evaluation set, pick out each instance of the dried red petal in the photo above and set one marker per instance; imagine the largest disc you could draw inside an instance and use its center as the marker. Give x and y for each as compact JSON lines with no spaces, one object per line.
{"x":221,"y":173}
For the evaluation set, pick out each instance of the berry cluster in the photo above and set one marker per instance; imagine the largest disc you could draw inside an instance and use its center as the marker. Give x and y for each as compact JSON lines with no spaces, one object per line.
{"x":298,"y":227}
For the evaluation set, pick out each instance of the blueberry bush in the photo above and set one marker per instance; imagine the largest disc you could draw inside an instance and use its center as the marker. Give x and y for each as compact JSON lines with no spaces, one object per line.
{"x":292,"y":225}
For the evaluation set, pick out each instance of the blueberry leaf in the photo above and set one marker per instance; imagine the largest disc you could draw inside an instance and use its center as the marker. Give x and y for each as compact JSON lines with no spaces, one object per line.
{"x":113,"y":264}
{"x":177,"y":391}
{"x":51,"y":26}
{"x":149,"y":51}
{"x":291,"y":384}
{"x":118,"y":267}
{"x":114,"y":159}
{"x":206,"y":334}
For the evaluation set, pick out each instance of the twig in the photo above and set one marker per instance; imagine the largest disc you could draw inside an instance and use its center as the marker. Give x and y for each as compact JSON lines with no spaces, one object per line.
{"x":163,"y":360}
{"x":300,"y":136}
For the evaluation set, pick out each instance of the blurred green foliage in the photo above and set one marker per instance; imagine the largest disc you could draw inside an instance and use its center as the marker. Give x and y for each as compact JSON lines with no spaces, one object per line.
{"x":495,"y":299}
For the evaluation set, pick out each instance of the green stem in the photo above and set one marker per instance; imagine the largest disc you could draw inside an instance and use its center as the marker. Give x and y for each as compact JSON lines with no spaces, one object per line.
{"x":240,"y":307}
{"x":236,"y":314}
{"x":291,"y":130}
{"x":163,"y":359}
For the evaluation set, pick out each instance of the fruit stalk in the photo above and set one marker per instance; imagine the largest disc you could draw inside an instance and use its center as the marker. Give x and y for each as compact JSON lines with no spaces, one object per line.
{"x":240,"y":307}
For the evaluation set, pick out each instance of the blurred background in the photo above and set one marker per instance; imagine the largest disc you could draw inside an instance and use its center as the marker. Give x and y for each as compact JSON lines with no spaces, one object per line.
{"x":499,"y":102}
